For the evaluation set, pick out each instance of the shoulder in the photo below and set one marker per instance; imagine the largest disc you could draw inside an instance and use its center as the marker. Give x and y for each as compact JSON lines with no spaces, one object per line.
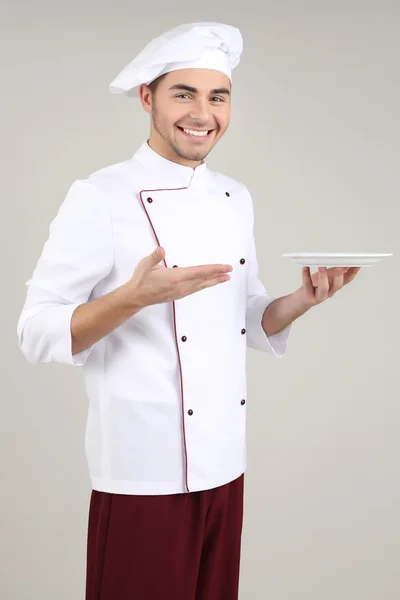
{"x":97,"y":189}
{"x":91,"y":192}
{"x":111,"y":178}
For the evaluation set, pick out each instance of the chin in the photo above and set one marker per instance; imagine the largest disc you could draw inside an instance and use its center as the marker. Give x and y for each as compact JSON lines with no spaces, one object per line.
{"x":193,"y":155}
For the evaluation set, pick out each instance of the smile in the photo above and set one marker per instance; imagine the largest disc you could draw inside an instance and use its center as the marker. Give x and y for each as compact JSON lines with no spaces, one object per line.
{"x":195,"y":134}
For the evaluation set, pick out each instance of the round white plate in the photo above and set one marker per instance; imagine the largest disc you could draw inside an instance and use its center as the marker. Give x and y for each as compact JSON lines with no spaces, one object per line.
{"x":336,"y":259}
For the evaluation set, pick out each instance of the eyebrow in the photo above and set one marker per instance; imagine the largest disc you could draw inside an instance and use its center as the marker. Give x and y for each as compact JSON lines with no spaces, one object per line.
{"x":193,"y":90}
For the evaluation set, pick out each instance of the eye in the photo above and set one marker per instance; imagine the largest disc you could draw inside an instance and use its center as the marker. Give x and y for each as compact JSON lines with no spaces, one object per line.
{"x":181,"y":95}
{"x":218,"y":99}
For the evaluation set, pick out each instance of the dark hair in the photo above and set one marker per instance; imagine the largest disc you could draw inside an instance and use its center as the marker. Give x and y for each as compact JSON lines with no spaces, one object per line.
{"x":154,"y":84}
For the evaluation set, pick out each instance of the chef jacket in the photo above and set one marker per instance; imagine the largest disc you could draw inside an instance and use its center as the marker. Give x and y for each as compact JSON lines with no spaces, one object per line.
{"x":167,"y":388}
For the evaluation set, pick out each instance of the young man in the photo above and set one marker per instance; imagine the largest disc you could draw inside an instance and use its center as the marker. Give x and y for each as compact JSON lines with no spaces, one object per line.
{"x":149,"y":280}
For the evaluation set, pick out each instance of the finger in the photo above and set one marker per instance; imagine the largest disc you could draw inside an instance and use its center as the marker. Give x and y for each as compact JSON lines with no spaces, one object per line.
{"x":149,"y":262}
{"x":308,"y":287}
{"x":155,"y":257}
{"x":340,"y":270}
{"x":335,"y":272}
{"x":336,"y":285}
{"x":331,"y":273}
{"x":350,"y":275}
{"x":203,"y":272}
{"x":322,"y":290}
{"x":206,"y":283}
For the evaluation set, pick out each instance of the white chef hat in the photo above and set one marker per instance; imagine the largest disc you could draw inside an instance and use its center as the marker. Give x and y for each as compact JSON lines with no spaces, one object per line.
{"x":196,"y":45}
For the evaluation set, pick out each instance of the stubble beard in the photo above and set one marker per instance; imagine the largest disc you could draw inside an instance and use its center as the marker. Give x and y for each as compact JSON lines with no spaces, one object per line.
{"x":195,"y":156}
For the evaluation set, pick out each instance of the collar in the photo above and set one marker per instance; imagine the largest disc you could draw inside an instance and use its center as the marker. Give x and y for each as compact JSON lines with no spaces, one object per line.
{"x":167,"y":171}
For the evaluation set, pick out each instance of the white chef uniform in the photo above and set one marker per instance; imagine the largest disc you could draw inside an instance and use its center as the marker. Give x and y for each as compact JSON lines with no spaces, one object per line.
{"x":166,"y":389}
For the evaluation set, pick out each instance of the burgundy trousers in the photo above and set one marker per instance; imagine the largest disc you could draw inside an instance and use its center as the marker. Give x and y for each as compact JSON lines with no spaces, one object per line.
{"x":169,"y":547}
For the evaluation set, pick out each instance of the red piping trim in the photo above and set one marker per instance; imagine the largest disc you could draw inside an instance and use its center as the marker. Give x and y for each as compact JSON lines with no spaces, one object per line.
{"x":175,"y":330}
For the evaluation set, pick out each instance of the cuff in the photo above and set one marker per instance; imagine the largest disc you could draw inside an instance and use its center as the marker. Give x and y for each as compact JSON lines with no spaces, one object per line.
{"x":276,"y":344}
{"x":59,"y":337}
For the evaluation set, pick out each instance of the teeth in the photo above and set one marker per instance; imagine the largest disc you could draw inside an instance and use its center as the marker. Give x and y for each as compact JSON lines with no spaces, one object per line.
{"x":197,"y":133}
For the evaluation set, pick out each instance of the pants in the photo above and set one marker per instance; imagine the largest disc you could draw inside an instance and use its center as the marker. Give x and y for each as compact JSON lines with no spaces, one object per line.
{"x":174,"y":547}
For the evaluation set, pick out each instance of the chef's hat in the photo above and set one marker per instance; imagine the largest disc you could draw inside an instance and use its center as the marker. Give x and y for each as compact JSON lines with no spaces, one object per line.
{"x":196,"y":45}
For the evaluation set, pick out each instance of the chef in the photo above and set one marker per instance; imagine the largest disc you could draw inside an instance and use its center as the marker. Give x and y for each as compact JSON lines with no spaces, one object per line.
{"x":149,"y":281}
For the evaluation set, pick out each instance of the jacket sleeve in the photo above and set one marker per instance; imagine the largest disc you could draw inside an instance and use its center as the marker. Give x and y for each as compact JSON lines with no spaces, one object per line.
{"x":76,"y":256}
{"x":257,"y":302}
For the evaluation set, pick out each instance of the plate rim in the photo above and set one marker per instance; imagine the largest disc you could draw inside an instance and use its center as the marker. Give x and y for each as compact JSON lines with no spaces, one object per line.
{"x":336,"y":255}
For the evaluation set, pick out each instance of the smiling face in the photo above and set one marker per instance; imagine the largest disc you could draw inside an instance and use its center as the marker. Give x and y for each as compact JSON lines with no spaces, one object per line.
{"x":190,"y":111}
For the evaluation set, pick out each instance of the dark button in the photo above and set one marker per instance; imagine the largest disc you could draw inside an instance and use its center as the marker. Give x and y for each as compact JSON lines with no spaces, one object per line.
{"x":242,"y":261}
{"x":227,"y":194}
{"x":149,"y":199}
{"x":243,"y":331}
{"x":242,"y":402}
{"x":184,"y":338}
{"x":190,"y":412}
{"x":174,"y":266}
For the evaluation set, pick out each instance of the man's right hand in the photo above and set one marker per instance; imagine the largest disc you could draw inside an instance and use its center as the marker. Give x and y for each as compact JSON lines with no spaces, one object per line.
{"x":153,"y":283}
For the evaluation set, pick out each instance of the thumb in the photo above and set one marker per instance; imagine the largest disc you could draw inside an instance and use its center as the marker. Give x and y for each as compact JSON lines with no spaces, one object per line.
{"x":157,"y":255}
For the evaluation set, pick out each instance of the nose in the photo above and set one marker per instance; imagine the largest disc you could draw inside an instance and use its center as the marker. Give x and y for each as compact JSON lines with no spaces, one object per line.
{"x":200,"y":111}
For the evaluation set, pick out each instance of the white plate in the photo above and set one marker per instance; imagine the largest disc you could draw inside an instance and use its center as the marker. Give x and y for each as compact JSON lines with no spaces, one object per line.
{"x":336,"y":259}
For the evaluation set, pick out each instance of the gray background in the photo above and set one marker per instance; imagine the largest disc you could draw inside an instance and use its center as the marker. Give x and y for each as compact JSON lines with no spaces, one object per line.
{"x":315,"y":136}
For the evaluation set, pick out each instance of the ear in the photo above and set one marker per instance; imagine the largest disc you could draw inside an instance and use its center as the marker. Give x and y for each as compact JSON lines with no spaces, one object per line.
{"x":146,"y":97}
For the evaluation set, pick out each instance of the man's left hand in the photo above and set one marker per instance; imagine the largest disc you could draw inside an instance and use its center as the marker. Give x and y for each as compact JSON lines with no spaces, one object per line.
{"x":325,"y":283}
